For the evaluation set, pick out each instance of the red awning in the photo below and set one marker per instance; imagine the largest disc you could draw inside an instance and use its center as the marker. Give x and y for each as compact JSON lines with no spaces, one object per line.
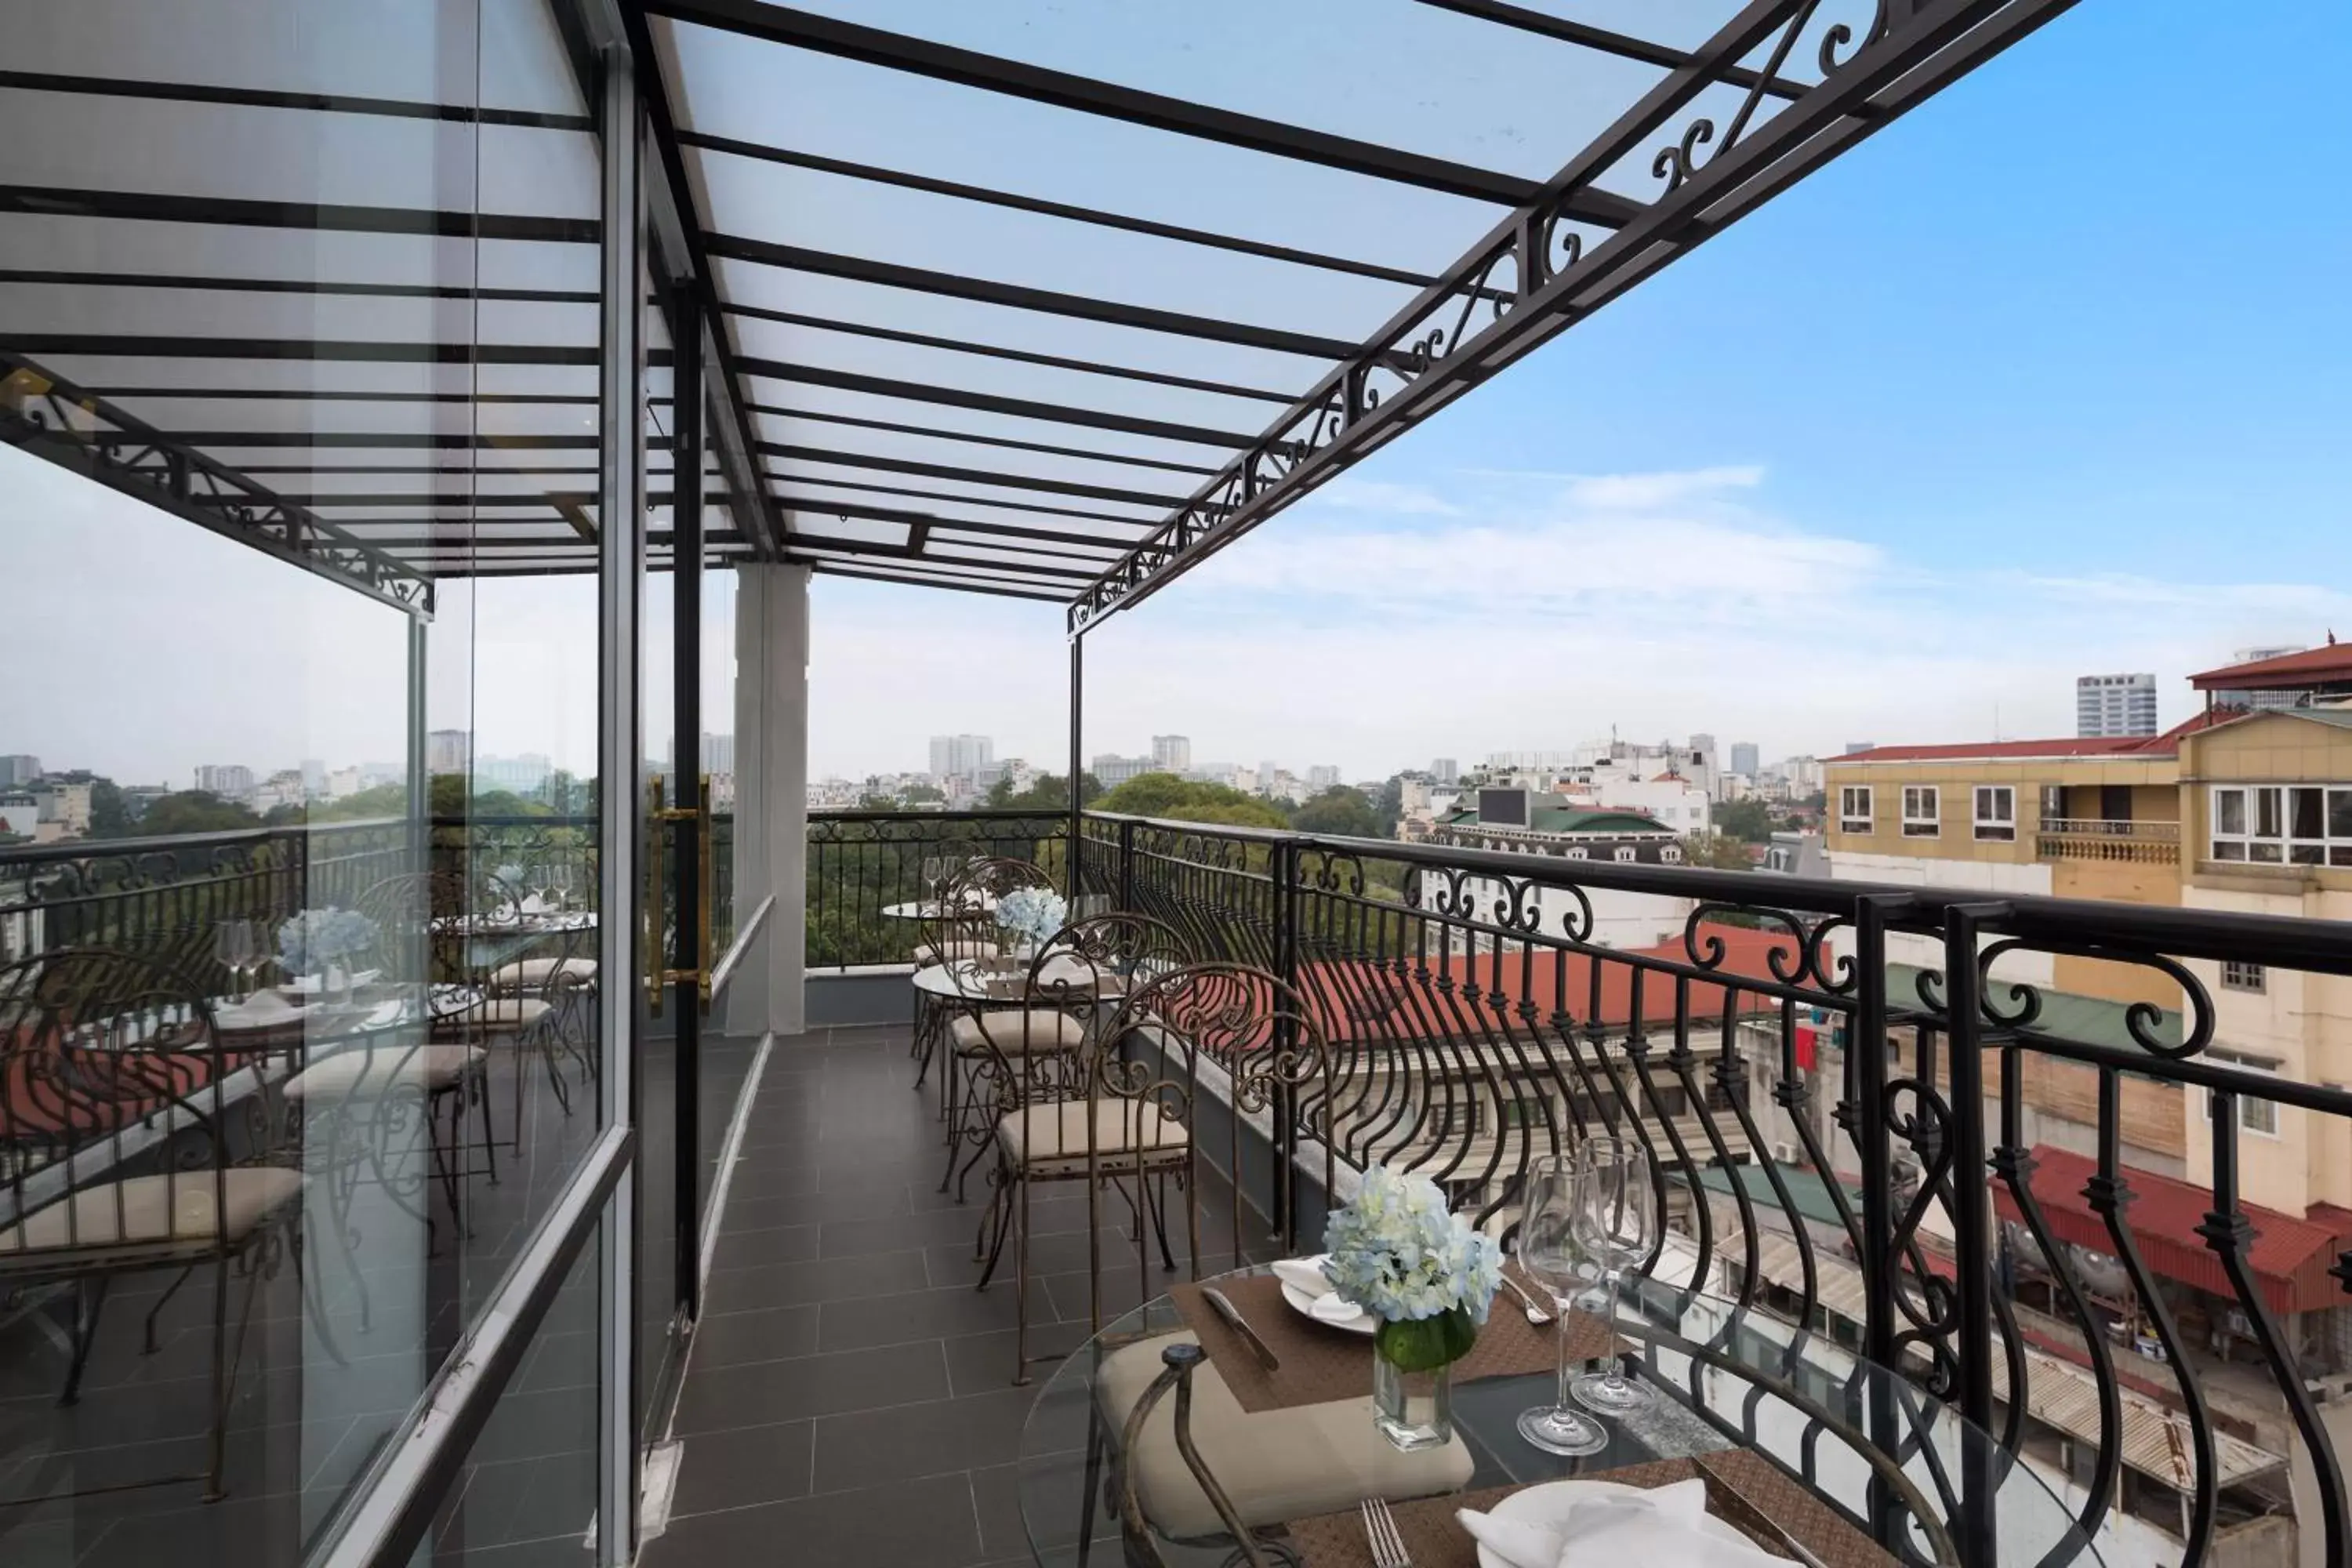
{"x":2290,"y":1257}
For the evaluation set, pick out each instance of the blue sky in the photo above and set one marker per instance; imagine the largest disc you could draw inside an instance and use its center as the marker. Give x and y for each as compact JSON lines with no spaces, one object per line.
{"x":2052,"y":376}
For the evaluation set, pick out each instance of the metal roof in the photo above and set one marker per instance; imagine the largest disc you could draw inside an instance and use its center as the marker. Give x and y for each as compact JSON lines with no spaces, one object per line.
{"x":1020,"y":299}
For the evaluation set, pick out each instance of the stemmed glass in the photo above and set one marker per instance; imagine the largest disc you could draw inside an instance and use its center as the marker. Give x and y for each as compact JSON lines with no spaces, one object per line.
{"x":1615,"y":1224}
{"x":1549,"y":1252}
{"x":233,"y":943}
{"x":935,"y":870}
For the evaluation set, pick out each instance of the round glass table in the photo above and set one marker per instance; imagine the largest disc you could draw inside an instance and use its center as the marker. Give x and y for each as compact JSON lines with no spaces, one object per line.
{"x":1729,"y":1379}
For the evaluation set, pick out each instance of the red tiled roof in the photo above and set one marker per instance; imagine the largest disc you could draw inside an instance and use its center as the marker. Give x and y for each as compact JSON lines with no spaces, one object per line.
{"x":1366,"y":1001}
{"x":2332,"y":661}
{"x":2290,"y":1257}
{"x":2164,"y":745}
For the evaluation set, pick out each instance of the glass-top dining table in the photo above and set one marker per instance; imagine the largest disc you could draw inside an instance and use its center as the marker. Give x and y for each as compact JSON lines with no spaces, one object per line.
{"x":1790,"y":1431}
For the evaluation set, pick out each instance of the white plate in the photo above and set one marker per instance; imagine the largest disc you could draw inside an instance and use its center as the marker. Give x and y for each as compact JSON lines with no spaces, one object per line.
{"x":1549,"y":1503}
{"x":1302,"y":1303}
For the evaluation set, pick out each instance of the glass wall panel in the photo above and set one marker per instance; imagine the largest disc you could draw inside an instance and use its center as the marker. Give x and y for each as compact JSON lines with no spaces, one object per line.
{"x":299,"y":912}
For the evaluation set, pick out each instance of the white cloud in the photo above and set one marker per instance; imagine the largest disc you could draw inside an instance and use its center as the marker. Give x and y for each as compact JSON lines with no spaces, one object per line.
{"x":1375,"y":495}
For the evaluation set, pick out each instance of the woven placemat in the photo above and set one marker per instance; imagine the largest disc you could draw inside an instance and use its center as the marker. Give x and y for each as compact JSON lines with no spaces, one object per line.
{"x":1321,"y":1363}
{"x":1436,"y":1539}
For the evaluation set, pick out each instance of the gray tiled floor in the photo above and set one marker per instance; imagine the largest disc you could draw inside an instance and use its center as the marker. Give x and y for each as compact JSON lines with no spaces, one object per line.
{"x":850,"y":1397}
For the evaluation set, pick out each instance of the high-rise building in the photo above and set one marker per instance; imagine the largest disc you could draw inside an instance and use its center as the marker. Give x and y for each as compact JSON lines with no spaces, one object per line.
{"x":230,"y":780}
{"x":449,"y":751}
{"x":2115,"y":705}
{"x":1444,"y":770}
{"x":1111,"y":770}
{"x":314,"y":776}
{"x":718,"y":753}
{"x":1171,"y":753}
{"x":960,"y":757}
{"x":1745,"y":761}
{"x":18,"y":770}
{"x":1854,"y":748}
{"x":1319,"y":779}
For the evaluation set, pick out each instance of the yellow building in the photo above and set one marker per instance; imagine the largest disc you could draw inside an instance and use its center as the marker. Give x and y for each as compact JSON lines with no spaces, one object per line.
{"x":2244,"y":808}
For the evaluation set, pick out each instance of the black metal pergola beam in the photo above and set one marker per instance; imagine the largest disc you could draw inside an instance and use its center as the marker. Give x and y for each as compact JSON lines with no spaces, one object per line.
{"x":1453,"y":337}
{"x":950,"y":471}
{"x":937,"y":433}
{"x":990,"y":402}
{"x":1061,"y":89}
{"x":909,"y":492}
{"x":998,"y":351}
{"x":933,"y":521}
{"x":1070,"y":211}
{"x":269,"y":97}
{"x":51,"y":417}
{"x":1603,"y":40}
{"x":1023,"y":297}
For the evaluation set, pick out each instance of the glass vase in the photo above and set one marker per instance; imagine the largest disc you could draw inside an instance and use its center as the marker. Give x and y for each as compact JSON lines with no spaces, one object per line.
{"x":1414,"y":1410}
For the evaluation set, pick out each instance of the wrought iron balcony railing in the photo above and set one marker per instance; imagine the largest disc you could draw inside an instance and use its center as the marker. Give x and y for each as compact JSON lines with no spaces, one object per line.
{"x":1971,"y":1198}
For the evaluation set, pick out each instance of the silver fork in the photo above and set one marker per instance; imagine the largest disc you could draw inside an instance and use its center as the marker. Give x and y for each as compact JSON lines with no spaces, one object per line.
{"x":1381,"y":1531}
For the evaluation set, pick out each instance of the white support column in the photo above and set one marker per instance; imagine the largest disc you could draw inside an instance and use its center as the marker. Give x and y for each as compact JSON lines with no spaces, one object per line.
{"x":772,"y":621}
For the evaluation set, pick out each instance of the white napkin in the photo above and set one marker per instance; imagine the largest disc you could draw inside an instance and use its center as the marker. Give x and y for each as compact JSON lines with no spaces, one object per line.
{"x":259,"y":1011}
{"x":1657,"y":1527}
{"x":1305,"y":1276}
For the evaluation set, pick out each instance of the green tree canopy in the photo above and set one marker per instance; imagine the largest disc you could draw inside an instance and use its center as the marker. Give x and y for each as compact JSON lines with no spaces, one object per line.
{"x":1342,"y":811}
{"x":1050,"y":792}
{"x":1750,"y":819}
{"x":194,"y":811}
{"x":1719,"y":850}
{"x":1190,"y":800}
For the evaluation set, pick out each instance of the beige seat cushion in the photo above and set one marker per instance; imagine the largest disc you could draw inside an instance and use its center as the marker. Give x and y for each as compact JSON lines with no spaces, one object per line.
{"x":1015,"y":1032}
{"x":1280,"y":1464}
{"x":1057,"y":1129}
{"x":954,"y":947}
{"x":501,"y":1013}
{"x":156,"y":1208}
{"x":371,"y":1072}
{"x":533,"y":973}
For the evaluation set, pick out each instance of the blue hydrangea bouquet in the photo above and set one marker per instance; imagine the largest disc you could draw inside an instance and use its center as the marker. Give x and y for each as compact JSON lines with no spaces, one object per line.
{"x":1398,"y":1253}
{"x":1031,"y":915}
{"x":318,"y":939}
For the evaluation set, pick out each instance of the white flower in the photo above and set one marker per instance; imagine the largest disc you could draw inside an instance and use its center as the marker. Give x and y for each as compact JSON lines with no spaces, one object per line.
{"x":1399,"y":1254}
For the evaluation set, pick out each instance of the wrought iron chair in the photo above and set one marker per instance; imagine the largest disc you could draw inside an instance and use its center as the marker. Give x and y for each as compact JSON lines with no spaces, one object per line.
{"x":130,"y":1139}
{"x":1227,"y":1026}
{"x":1001,"y":1055}
{"x":960,"y":926}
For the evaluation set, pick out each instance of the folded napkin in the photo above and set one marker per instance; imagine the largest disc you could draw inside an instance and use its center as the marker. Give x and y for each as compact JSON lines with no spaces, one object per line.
{"x":261,"y":1011}
{"x":1305,"y":1276}
{"x":1655,"y":1528}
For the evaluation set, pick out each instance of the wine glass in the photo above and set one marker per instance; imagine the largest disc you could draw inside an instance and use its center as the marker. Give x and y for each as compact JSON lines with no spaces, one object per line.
{"x":232,"y":943}
{"x":1550,"y":1253}
{"x":1616,"y":1224}
{"x":935,"y":868}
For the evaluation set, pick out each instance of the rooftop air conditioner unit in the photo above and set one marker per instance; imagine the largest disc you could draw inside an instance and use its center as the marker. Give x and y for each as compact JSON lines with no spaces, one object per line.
{"x":1785,"y":1152}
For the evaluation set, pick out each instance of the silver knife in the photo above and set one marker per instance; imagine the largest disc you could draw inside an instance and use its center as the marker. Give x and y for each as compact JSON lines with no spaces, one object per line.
{"x":1233,"y":1315}
{"x":1538,"y":1313}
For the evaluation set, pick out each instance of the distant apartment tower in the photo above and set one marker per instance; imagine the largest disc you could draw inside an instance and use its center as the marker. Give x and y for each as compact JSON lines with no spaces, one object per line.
{"x":1746,"y":759}
{"x":960,"y":757}
{"x":1444,"y":770}
{"x":230,"y":780}
{"x":18,"y":770}
{"x":1319,"y":779}
{"x":1854,"y":748}
{"x":1111,"y":770}
{"x":2115,"y":705}
{"x":449,"y":751}
{"x":718,"y":753}
{"x":1171,"y":753}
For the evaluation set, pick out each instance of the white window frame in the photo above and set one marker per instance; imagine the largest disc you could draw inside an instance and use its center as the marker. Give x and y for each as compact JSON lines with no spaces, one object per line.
{"x":1627,"y":852}
{"x":2281,"y":823}
{"x":2003,"y":827}
{"x":1851,"y":821}
{"x":1672,"y":855}
{"x":1929,"y":825}
{"x":2264,"y":1112}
